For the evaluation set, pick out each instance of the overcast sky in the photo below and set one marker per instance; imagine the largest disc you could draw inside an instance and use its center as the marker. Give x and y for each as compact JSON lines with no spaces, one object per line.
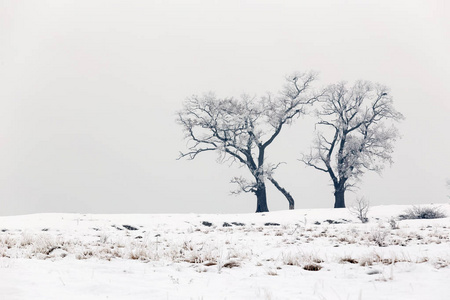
{"x":89,"y":92}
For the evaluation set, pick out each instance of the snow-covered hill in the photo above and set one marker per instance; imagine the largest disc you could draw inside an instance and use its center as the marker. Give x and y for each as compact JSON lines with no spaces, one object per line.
{"x":300,"y":254}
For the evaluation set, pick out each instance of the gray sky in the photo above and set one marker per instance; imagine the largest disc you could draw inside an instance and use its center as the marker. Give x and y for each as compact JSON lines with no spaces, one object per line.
{"x":89,"y":93}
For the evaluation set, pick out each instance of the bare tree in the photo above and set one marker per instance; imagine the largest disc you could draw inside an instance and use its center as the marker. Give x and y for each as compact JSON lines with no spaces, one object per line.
{"x":360,"y":208}
{"x":240,"y":130}
{"x":358,"y":134}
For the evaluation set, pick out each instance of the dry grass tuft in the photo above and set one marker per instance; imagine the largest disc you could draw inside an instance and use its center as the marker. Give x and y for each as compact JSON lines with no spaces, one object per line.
{"x":272,"y":272}
{"x":348,"y":259}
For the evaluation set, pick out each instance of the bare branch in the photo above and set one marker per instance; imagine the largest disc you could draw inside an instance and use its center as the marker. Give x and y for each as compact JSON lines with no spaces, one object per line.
{"x":286,"y":194}
{"x":191,"y":155}
{"x":309,"y":161}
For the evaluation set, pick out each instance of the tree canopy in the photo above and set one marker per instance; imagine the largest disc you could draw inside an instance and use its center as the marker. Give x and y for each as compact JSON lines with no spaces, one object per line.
{"x":241,"y":129}
{"x":357,"y":133}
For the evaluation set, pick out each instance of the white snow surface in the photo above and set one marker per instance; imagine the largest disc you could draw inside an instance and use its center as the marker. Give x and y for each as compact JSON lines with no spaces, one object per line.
{"x":178,"y":256}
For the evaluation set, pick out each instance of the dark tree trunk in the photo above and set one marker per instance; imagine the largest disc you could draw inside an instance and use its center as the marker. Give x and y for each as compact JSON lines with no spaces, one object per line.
{"x":261,"y":198}
{"x":339,"y":200}
{"x":284,"y":192}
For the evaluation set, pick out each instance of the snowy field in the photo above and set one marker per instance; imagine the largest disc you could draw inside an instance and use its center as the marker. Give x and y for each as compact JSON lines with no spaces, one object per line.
{"x":301,"y":254}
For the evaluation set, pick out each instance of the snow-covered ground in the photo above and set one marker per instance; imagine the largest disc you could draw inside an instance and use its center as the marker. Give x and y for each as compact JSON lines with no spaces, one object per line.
{"x":300,"y":254}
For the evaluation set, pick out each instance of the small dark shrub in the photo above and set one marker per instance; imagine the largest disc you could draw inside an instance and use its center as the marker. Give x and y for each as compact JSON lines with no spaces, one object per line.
{"x":417,"y":212}
{"x":206,"y":223}
{"x":129,"y":227}
{"x":332,"y":221}
{"x":271,"y":224}
{"x":231,"y":264}
{"x":312,"y":267}
{"x":238,"y":224}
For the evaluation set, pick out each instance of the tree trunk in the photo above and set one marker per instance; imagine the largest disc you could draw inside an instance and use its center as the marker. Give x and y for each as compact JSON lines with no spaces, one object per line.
{"x":284,"y":192}
{"x":339,"y":200}
{"x":261,"y":198}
